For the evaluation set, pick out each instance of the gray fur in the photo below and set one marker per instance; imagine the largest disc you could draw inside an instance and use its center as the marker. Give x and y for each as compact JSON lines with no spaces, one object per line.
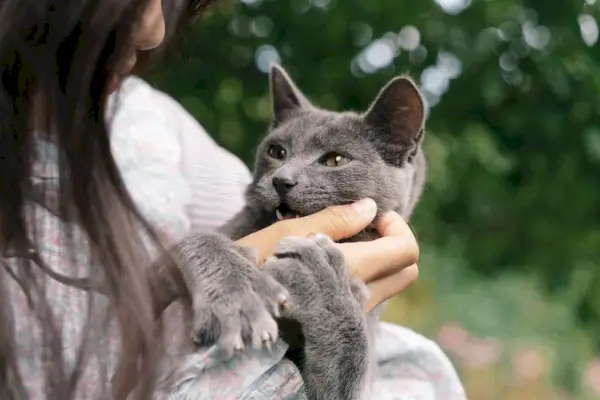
{"x":227,"y":288}
{"x":233,"y":300}
{"x":386,"y":164}
{"x":328,"y":305}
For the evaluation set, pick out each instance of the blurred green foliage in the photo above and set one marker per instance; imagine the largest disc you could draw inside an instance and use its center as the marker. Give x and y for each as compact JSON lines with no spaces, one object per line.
{"x":513,"y":131}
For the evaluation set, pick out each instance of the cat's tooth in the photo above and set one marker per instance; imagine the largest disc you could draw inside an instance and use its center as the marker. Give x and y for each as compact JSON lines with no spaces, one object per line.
{"x":278,"y":215}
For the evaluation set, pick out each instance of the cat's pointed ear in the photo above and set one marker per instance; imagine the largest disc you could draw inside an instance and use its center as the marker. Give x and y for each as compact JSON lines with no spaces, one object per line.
{"x":286,"y":98}
{"x":397,"y":116}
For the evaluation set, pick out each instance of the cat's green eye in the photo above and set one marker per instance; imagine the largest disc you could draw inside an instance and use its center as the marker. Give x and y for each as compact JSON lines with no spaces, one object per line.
{"x":334,"y":160}
{"x":277,"y":152}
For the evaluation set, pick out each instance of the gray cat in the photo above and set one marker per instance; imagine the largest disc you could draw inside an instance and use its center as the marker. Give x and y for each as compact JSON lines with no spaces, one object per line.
{"x":311,"y":159}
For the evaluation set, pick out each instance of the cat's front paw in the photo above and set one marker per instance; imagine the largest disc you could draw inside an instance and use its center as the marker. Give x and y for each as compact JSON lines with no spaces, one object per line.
{"x":327,"y":304}
{"x":234,"y":302}
{"x":314,"y":272}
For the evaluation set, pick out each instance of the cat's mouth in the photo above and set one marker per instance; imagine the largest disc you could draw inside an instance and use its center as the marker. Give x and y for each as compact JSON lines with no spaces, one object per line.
{"x":284,"y":212}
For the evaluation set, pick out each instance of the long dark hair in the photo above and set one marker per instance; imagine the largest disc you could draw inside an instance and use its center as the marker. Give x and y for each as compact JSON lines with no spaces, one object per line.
{"x":56,"y":60}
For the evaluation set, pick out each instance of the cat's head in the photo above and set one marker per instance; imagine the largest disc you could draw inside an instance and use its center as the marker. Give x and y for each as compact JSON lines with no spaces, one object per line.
{"x":313,"y":158}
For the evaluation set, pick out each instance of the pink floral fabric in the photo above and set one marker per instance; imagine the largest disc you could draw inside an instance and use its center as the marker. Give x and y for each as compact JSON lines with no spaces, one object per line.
{"x":410,"y":367}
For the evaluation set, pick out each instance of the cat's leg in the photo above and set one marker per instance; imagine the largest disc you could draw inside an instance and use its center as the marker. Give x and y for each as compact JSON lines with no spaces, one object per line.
{"x":234,"y":302}
{"x":328,"y":305}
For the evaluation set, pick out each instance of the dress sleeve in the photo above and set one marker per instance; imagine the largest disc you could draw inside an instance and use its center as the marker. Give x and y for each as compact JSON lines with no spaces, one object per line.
{"x":217,"y":178}
{"x":148,"y":154}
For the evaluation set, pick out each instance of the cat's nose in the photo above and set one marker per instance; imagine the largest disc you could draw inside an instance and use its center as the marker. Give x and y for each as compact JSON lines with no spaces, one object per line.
{"x":283,"y":185}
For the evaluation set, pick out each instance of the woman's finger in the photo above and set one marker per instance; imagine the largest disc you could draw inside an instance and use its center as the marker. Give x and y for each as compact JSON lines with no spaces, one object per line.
{"x":392,"y":224}
{"x":385,"y":288}
{"x":369,"y":261}
{"x":395,"y":250}
{"x":337,"y":222}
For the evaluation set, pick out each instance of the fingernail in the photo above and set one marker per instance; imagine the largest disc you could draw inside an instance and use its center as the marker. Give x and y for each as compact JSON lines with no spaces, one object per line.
{"x":365,"y":206}
{"x":320,"y":236}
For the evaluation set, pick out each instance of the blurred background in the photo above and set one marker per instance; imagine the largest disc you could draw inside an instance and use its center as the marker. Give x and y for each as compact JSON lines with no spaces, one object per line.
{"x":510,"y":220}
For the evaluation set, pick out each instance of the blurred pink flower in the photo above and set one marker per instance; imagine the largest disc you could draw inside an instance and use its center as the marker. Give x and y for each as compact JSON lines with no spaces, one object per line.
{"x":591,"y":376}
{"x":478,"y":353}
{"x":452,"y":337}
{"x":529,"y":363}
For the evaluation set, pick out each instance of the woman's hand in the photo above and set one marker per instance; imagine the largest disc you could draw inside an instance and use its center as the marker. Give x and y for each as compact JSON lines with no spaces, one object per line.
{"x":387,"y":265}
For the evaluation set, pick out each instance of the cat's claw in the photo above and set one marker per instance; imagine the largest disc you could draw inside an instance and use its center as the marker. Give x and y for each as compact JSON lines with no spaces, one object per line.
{"x":266,"y":337}
{"x":239,"y":345}
{"x":267,"y":343}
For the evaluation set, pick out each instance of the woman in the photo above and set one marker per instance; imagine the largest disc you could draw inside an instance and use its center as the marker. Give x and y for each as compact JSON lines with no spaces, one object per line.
{"x":76,"y":247}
